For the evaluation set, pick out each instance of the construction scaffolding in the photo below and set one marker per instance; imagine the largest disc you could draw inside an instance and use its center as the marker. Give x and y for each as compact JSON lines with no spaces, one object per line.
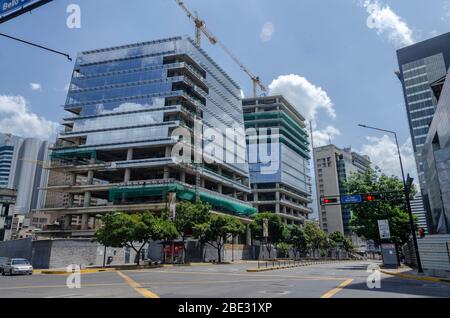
{"x":183,"y":193}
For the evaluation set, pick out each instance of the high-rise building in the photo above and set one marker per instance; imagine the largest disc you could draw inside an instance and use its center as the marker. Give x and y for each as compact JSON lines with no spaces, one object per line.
{"x":421,"y":65}
{"x":282,"y":186}
{"x":436,"y":158}
{"x":333,"y":168}
{"x":6,"y":156}
{"x":22,"y":168}
{"x":418,"y":210}
{"x":130,"y":108}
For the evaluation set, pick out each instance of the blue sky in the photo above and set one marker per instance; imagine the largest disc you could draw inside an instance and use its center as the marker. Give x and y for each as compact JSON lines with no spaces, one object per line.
{"x":339,"y":64}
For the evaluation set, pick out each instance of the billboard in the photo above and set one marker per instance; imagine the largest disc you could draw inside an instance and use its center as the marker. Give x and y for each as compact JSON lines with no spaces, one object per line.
{"x":10,"y":9}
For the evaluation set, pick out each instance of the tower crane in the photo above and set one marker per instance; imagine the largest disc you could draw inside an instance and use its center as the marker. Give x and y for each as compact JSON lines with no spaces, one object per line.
{"x":200,"y":27}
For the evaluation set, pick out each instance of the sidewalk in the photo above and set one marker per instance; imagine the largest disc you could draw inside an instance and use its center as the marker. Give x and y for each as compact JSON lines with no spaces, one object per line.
{"x":410,"y":273}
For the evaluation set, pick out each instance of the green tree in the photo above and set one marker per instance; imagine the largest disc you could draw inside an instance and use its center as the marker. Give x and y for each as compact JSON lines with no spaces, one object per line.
{"x":189,"y":215}
{"x":316,"y":238}
{"x":296,"y":237}
{"x":277,"y":229}
{"x":284,"y":248}
{"x":365,"y":217}
{"x":125,"y":230}
{"x":217,"y":230}
{"x":165,"y":231}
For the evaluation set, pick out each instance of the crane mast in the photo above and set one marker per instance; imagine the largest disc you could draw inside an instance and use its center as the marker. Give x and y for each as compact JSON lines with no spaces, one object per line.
{"x":200,"y":27}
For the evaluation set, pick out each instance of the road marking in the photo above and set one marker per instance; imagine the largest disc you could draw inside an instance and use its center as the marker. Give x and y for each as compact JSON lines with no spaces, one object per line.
{"x":60,"y":286}
{"x":333,"y":292}
{"x":137,"y":287}
{"x":246,"y":275}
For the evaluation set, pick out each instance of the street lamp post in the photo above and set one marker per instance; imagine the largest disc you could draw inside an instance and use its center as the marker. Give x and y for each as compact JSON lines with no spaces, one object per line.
{"x":407,"y":194}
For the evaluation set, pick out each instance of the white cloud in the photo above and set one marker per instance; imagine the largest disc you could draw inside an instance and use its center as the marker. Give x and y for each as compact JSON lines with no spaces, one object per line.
{"x":383,"y":154}
{"x":16,"y":118}
{"x":322,"y":137}
{"x":306,"y":97}
{"x":36,"y":87}
{"x":267,"y":31}
{"x":385,"y":21}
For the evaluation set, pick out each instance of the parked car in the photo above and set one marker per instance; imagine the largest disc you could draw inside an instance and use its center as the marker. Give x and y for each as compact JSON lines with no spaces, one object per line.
{"x":16,"y":266}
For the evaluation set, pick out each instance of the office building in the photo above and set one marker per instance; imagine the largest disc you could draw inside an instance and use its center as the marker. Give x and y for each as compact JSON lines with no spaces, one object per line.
{"x":22,"y":163}
{"x":7,"y":201}
{"x":436,"y":158}
{"x":418,"y":209}
{"x":421,"y":65}
{"x":127,"y":108}
{"x":333,"y":168}
{"x":285,"y":188}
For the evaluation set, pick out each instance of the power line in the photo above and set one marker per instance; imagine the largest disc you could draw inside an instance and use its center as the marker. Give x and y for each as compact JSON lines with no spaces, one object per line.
{"x":36,"y":45}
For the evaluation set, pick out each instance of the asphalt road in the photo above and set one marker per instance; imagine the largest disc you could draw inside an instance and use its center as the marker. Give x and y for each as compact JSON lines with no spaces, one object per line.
{"x":339,"y":280}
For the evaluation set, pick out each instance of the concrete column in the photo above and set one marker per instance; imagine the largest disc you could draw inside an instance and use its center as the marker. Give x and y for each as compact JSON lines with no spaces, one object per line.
{"x":166,"y":173}
{"x":248,"y":236}
{"x":87,"y":199}
{"x":84,"y":222}
{"x":219,"y":188}
{"x":72,"y":179}
{"x":235,"y":195}
{"x":245,"y":197}
{"x":90,"y":177}
{"x":71,"y":200}
{"x":127,"y":176}
{"x":202,"y":183}
{"x":277,"y":208}
{"x":183,"y":176}
{"x":130,"y":154}
{"x":168,"y":152}
{"x":67,"y":221}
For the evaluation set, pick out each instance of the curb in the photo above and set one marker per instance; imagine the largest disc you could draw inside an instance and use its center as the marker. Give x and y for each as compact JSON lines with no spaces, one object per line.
{"x":256,"y":270}
{"x":62,"y":272}
{"x":419,"y":278}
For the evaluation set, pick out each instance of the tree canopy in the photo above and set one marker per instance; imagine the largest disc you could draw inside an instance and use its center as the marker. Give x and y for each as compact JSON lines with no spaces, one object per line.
{"x":365,"y":217}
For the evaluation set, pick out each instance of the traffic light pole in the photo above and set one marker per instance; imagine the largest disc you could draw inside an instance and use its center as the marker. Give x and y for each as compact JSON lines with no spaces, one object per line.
{"x":407,"y":191}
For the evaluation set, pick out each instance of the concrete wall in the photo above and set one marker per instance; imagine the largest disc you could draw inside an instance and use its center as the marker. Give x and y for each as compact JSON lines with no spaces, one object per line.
{"x":16,"y":249}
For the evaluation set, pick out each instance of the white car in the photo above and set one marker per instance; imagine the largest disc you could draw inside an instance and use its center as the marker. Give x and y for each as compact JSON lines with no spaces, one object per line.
{"x":16,"y":266}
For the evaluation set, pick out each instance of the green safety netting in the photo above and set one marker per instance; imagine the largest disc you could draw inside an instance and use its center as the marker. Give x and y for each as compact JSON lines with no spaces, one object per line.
{"x":74,"y":154}
{"x":183,"y":193}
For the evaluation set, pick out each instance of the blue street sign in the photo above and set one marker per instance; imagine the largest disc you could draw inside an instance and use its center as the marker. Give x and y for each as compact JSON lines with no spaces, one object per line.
{"x":11,"y":5}
{"x":10,"y":9}
{"x":351,"y":199}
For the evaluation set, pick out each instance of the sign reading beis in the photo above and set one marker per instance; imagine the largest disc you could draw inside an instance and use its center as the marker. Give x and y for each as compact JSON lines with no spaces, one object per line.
{"x":12,"y":8}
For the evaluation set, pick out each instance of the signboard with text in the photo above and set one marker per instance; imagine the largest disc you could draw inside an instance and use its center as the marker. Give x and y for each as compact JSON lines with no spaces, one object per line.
{"x":385,"y":231}
{"x":12,"y":8}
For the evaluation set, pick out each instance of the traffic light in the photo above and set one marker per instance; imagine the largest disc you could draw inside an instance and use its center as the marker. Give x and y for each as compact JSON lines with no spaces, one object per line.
{"x":328,"y":201}
{"x":371,"y":198}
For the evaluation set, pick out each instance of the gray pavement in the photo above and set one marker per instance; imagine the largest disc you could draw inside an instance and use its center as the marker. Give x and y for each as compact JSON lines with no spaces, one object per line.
{"x":337,"y":280}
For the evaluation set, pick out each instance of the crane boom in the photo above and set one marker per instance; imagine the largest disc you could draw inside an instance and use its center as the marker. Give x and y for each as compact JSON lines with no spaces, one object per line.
{"x":200,"y":27}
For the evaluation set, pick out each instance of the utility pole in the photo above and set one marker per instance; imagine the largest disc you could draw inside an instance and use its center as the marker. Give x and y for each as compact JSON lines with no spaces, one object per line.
{"x":407,"y":184}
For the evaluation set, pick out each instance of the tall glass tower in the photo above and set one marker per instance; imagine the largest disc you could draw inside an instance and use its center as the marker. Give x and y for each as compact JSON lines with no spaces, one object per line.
{"x":126,"y":107}
{"x":421,"y":65}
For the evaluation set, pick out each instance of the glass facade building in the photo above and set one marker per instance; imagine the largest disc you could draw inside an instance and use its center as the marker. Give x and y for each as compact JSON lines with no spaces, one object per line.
{"x":283,"y":185}
{"x":6,"y":156}
{"x":436,"y":154}
{"x":127,"y":105}
{"x":420,"y":65}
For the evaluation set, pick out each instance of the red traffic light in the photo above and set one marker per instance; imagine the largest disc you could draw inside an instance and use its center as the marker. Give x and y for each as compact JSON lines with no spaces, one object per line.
{"x":372,"y":197}
{"x":330,"y":200}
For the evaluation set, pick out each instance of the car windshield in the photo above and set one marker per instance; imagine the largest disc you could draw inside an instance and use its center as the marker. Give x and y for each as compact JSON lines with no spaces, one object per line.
{"x":20,"y":262}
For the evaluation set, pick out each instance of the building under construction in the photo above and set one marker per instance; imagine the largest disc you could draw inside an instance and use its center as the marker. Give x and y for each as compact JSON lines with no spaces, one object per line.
{"x":124,"y":104}
{"x":282,"y":186}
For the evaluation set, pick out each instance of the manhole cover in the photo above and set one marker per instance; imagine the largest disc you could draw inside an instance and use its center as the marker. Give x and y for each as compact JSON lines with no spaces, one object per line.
{"x":275,"y":292}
